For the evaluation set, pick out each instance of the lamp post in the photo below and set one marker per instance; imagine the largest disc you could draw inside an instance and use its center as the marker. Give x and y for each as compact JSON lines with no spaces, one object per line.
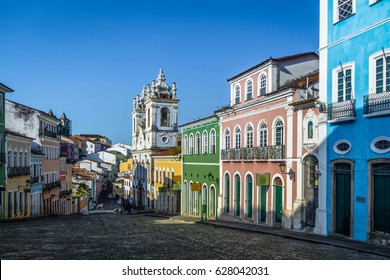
{"x":290,"y":172}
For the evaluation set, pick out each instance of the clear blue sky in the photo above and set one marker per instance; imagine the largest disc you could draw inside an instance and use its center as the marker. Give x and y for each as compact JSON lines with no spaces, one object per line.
{"x":90,"y":58}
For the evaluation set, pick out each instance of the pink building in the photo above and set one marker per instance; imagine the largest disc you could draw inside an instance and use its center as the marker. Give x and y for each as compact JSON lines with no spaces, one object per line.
{"x":265,"y":142}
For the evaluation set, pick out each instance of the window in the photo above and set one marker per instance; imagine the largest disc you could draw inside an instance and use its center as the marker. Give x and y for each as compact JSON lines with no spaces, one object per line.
{"x":381,"y":145}
{"x":205,"y":142}
{"x":343,"y":9}
{"x":16,"y":159}
{"x":263,"y":84}
{"x":238,"y":138}
{"x":9,"y":159}
{"x":185,"y":151}
{"x":227,"y":139}
{"x":344,"y":86}
{"x":263,"y":135}
{"x":237,"y":98}
{"x":213,"y":142}
{"x":310,"y":130}
{"x":249,"y":136}
{"x":342,"y":147}
{"x":249,"y":90}
{"x":382,"y":76}
{"x":191,"y":144}
{"x":278,"y":133}
{"x":197,"y":145}
{"x":164,"y":117}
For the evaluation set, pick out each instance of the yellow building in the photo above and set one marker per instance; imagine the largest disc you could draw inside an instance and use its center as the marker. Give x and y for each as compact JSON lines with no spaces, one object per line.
{"x":17,"y":186}
{"x":117,"y":188}
{"x":167,"y":182}
{"x":126,"y":167}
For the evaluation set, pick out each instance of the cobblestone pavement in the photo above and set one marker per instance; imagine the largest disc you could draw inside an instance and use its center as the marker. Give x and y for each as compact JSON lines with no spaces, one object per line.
{"x":115,"y":236}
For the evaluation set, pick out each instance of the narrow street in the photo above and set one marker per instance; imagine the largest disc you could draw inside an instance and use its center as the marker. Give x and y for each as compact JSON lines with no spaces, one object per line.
{"x":116,"y":236}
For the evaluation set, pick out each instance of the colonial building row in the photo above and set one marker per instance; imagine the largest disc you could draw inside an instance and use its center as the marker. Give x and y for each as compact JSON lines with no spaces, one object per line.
{"x":44,"y":170}
{"x":302,"y":145}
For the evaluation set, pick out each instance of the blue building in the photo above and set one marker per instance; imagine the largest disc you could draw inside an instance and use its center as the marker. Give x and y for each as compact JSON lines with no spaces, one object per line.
{"x":355,"y":126}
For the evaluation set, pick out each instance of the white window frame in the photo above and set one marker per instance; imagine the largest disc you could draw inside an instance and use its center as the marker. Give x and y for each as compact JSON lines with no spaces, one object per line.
{"x":205,"y":140}
{"x":266,"y":84}
{"x":249,"y":135}
{"x":198,"y":147}
{"x":235,"y":94}
{"x":372,"y":69}
{"x":274,"y":131}
{"x":191,"y":145}
{"x":213,"y":141}
{"x":336,"y":18}
{"x":259,"y":144}
{"x":237,"y":136}
{"x":228,"y":136}
{"x":337,"y":151}
{"x":246,"y":89}
{"x":336,"y":70}
{"x":375,"y":149}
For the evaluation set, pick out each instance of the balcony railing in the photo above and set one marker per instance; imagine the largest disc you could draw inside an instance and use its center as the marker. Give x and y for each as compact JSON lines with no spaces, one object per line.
{"x":256,"y":153}
{"x":18,"y":171}
{"x":35,"y":179}
{"x":376,"y":102}
{"x":52,"y":185}
{"x":48,"y":133}
{"x":341,"y":110}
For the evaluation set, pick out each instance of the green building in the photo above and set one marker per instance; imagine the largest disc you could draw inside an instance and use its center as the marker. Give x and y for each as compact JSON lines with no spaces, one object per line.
{"x":200,"y":163}
{"x":3,"y":90}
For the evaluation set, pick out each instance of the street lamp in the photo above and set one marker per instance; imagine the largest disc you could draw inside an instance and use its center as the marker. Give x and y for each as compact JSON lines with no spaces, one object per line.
{"x":290,"y":172}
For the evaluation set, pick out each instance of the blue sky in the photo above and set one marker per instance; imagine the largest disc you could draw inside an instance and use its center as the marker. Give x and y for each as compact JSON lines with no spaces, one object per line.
{"x":90,"y":58}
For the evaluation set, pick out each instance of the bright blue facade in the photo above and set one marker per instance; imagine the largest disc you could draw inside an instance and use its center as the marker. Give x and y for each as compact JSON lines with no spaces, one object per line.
{"x":358,"y":117}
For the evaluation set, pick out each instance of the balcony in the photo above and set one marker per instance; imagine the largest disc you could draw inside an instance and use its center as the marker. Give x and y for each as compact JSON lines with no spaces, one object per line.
{"x":341,"y":111}
{"x":376,"y":104}
{"x":35,"y":179}
{"x":256,"y":153}
{"x":48,"y":133}
{"x":18,"y":171}
{"x":52,"y":185}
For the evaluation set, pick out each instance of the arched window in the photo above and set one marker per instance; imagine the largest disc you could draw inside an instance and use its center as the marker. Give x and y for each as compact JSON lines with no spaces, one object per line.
{"x":164,"y":116}
{"x":238,"y":138}
{"x":213,"y":142}
{"x":249,"y":90}
{"x":25,"y":159}
{"x":191,"y":144}
{"x":16,"y":159}
{"x":227,"y":194}
{"x":249,"y":136}
{"x":278,"y":133}
{"x":9,"y":159}
{"x":237,"y":96}
{"x":263,"y":135}
{"x":205,"y":142}
{"x":310,"y":130}
{"x":227,"y":139}
{"x":263,"y":84}
{"x":197,"y":145}
{"x":185,"y":148}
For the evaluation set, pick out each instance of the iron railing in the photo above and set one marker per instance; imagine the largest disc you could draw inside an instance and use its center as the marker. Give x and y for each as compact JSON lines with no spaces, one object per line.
{"x":18,"y":171}
{"x":376,"y":102}
{"x":52,"y":185}
{"x":48,"y":133}
{"x":36,"y":179}
{"x":256,"y":153}
{"x":341,"y":110}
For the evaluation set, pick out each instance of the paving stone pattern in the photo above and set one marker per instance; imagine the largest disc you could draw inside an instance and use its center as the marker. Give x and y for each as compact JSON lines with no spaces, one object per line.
{"x":122,"y":237}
